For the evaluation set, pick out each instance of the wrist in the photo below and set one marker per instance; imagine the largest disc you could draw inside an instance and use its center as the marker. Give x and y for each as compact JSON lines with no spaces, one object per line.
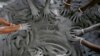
{"x":6,"y":23}
{"x":67,"y":3}
{"x":81,"y":40}
{"x":79,"y":9}
{"x":19,"y":27}
{"x":82,"y":30}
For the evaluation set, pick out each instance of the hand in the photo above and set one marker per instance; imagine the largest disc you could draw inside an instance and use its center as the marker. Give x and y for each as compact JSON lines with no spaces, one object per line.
{"x":77,"y":16}
{"x":61,"y":55}
{"x":39,"y":53}
{"x":67,"y":5}
{"x":99,"y":10}
{"x":35,"y":13}
{"x":24,"y":26}
{"x":47,"y":13}
{"x":65,"y":10}
{"x":76,"y":39}
{"x":34,"y":10}
{"x":77,"y":32}
{"x":11,"y":24}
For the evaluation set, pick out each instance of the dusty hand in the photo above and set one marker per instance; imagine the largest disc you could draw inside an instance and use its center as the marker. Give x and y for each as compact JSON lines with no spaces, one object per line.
{"x":47,"y":13}
{"x":11,"y":24}
{"x":61,"y":55}
{"x":76,"y":17}
{"x":76,"y":39}
{"x":67,"y":5}
{"x":65,"y":10}
{"x":34,"y":10}
{"x":77,"y":32}
{"x":39,"y":53}
{"x":24,"y":26}
{"x":35,"y":13}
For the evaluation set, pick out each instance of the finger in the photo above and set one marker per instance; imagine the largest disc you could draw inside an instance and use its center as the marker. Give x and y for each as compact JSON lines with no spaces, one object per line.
{"x":74,"y":28}
{"x":38,"y":16}
{"x":75,"y":17}
{"x":44,"y":16}
{"x":72,"y":17}
{"x":74,"y":36}
{"x":28,"y":28}
{"x":23,"y":24}
{"x":26,"y":24}
{"x":49,"y":15}
{"x":62,"y":11}
{"x":33,"y":16}
{"x":72,"y":32}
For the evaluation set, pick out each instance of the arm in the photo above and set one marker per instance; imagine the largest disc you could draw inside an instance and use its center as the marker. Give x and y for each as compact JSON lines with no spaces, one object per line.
{"x":90,"y":45}
{"x":47,"y":3}
{"x":34,"y":10}
{"x":13,"y":28}
{"x":89,"y":5}
{"x":9,"y":29}
{"x":67,"y":4}
{"x":91,"y":28}
{"x":85,"y":30}
{"x":2,"y":21}
{"x":86,"y":43}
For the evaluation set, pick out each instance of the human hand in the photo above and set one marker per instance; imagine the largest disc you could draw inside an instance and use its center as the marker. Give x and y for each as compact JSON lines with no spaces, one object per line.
{"x":39,"y":53}
{"x":47,"y":13}
{"x":77,"y":32}
{"x":24,"y":26}
{"x":34,"y":10}
{"x":76,"y":39}
{"x":61,"y":55}
{"x":35,"y":13}
{"x":67,"y":5}
{"x":65,"y":10}
{"x":11,"y":24}
{"x":77,"y":16}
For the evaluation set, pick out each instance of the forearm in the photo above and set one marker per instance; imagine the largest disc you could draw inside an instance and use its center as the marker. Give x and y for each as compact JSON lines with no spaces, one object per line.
{"x":91,"y":28}
{"x":2,"y":21}
{"x":67,"y":4}
{"x":9,"y":29}
{"x":90,"y":4}
{"x":92,"y":46}
{"x":68,"y":1}
{"x":47,"y":3}
{"x":31,"y":5}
